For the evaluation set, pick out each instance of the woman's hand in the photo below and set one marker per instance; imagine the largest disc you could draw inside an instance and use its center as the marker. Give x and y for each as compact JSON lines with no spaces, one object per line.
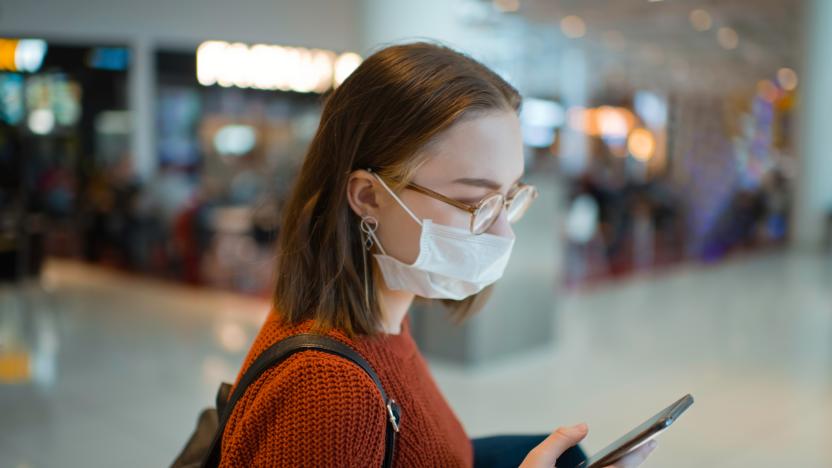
{"x":548,"y":451}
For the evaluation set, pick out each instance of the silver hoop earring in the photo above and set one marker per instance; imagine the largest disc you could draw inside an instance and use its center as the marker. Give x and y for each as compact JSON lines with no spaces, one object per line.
{"x":368,"y":227}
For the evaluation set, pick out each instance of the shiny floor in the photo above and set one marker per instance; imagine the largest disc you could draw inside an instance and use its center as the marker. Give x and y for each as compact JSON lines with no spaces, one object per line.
{"x":115,"y":369}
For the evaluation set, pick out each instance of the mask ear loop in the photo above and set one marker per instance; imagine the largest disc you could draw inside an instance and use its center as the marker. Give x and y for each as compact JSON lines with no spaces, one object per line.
{"x":368,"y":228}
{"x":396,"y":197}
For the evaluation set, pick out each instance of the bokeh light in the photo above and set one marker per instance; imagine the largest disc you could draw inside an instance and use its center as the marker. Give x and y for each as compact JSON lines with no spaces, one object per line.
{"x":787,"y":79}
{"x":728,"y":38}
{"x":700,"y":20}
{"x":641,"y":144}
{"x":573,"y":27}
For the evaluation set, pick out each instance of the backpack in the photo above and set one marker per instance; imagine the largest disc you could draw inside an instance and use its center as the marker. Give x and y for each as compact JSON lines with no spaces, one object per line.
{"x":203,"y":448}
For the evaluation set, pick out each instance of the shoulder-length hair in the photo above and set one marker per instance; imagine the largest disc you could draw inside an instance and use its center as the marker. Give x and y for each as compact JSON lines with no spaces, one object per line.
{"x":398,"y":101}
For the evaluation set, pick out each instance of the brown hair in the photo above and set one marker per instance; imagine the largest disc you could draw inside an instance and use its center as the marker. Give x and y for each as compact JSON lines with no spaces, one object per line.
{"x":398,"y":101}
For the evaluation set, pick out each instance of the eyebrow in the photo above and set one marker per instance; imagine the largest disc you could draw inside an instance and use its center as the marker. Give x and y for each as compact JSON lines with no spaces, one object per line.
{"x":487,"y":183}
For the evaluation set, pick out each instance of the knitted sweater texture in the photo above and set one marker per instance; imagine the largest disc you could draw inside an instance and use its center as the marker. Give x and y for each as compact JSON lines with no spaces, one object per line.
{"x":320,"y":410}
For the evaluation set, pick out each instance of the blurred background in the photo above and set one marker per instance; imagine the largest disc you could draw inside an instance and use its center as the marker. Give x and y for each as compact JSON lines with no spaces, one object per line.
{"x":682,"y":242}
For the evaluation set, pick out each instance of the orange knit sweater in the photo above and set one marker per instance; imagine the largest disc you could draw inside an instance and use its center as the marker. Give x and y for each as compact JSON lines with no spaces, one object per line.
{"x":320,"y":410}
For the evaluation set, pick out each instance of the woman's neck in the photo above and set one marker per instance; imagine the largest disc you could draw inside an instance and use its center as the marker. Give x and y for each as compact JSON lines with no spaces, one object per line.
{"x":394,"y":306}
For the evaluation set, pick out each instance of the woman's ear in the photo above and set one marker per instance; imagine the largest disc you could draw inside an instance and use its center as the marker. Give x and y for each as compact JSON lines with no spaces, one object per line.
{"x":361,"y":193}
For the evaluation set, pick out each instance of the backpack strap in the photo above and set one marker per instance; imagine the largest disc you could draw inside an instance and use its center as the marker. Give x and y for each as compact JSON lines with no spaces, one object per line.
{"x":277,"y":353}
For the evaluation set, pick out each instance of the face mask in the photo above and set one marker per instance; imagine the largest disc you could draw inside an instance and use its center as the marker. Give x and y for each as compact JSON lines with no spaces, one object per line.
{"x":453,"y":263}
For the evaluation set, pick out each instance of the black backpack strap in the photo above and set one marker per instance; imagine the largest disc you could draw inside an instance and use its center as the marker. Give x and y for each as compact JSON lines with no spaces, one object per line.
{"x":281,"y":350}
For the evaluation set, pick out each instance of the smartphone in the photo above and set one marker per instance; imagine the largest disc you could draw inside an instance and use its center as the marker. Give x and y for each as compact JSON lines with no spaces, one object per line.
{"x":640,"y":435}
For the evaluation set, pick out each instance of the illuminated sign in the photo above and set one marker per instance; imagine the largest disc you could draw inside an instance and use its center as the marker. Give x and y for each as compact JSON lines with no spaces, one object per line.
{"x":272,"y":67}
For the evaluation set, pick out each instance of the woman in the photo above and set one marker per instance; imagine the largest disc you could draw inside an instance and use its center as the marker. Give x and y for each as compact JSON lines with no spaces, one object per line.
{"x":408,"y":189}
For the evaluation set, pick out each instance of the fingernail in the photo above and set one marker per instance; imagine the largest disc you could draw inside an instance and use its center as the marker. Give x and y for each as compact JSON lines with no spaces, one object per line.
{"x":581,"y":426}
{"x":653,"y":444}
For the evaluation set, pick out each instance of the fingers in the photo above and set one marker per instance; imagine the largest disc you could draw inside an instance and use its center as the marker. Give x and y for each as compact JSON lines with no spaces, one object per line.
{"x":548,"y":451}
{"x":560,"y":440}
{"x":637,"y":457}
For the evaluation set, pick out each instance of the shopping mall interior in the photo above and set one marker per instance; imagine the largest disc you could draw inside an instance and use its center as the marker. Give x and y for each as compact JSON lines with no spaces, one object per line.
{"x":681,"y":241}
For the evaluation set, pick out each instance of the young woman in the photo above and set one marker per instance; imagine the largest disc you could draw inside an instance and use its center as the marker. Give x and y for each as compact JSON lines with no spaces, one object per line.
{"x":409,"y":188}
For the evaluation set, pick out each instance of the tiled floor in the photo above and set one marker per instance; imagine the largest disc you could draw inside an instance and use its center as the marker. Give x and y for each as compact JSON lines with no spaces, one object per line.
{"x":751,"y":339}
{"x":122,"y":366}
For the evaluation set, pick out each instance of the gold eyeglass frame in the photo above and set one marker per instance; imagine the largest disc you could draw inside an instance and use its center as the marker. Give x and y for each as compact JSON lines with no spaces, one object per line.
{"x":474,"y":209}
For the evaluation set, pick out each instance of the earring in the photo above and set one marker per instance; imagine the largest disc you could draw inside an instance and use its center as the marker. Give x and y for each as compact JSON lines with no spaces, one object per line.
{"x":368,"y":228}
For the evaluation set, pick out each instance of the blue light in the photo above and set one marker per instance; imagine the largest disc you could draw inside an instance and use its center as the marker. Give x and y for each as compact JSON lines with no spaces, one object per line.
{"x":109,"y":58}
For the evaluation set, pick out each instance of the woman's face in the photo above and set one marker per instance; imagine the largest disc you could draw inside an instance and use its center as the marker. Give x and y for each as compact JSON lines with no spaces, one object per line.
{"x":472,"y":159}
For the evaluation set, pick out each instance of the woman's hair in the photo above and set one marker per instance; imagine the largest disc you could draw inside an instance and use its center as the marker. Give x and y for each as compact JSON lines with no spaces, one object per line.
{"x":383,"y":116}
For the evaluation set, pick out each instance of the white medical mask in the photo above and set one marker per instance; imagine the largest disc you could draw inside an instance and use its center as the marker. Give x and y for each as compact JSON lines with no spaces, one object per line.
{"x":453,"y":263}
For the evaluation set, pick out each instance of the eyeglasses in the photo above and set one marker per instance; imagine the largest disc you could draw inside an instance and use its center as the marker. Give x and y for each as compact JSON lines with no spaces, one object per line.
{"x":487,"y":210}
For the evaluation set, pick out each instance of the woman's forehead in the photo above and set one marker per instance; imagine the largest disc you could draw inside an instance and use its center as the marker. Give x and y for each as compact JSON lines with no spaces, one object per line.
{"x":486,"y":147}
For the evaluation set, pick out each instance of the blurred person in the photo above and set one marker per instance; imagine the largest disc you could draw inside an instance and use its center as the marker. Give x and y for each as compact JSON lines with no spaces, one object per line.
{"x":407,"y":190}
{"x":738,"y":225}
{"x":106,"y":208}
{"x":157,"y":206}
{"x":12,"y":201}
{"x":777,"y":201}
